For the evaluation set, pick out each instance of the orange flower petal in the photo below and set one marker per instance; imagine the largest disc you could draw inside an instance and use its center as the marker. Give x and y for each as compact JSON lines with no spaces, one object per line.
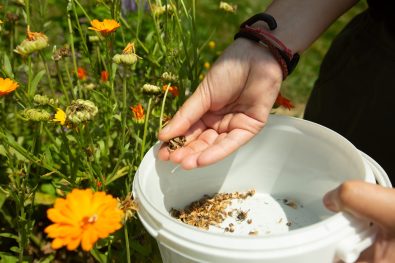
{"x":57,"y":243}
{"x":82,"y":218}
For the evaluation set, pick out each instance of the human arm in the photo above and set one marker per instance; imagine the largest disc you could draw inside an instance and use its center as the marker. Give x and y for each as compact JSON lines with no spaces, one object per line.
{"x":371,"y":202}
{"x":233,"y":101}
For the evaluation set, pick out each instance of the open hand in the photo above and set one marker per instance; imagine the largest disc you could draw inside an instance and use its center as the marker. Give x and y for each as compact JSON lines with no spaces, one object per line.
{"x":228,"y":108}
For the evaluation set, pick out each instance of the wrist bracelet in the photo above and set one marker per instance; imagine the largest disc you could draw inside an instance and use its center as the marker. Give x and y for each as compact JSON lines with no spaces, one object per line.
{"x":279,"y":50}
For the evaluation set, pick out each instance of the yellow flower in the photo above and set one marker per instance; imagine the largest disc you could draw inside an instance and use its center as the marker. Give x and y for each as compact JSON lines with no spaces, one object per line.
{"x":82,"y":218}
{"x":106,"y":27}
{"x":206,"y":65}
{"x":227,"y":7}
{"x":211,"y":44}
{"x":60,"y":116}
{"x":7,"y":85}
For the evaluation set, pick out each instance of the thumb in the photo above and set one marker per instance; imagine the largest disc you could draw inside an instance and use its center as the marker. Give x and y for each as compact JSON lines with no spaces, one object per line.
{"x":189,"y":113}
{"x":364,"y":200}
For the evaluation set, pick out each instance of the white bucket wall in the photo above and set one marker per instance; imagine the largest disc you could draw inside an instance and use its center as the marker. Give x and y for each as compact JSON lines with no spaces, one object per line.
{"x":290,"y":157}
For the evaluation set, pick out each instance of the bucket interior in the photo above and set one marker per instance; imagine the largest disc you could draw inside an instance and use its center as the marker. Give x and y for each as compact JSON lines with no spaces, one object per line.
{"x":290,"y":160}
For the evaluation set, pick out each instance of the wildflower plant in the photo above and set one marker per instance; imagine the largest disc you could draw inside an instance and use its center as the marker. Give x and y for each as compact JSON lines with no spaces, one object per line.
{"x":84,"y":89}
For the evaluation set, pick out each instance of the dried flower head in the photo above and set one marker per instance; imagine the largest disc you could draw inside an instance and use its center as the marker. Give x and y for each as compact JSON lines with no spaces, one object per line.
{"x":81,"y":111}
{"x":60,"y":53}
{"x":106,"y":27}
{"x":7,"y":86}
{"x":82,"y":218}
{"x":128,"y":206}
{"x":34,"y":41}
{"x":209,"y":210}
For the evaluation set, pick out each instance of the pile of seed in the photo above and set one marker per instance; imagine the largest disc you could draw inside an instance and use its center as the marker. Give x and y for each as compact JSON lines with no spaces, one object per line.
{"x":209,"y":210}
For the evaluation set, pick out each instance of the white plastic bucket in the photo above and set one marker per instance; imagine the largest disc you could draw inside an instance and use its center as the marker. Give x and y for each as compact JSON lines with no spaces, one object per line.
{"x":290,"y":158}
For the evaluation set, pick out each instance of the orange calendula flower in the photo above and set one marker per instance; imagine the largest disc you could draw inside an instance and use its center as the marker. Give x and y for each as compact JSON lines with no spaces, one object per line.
{"x":138,"y":113}
{"x":81,"y":73}
{"x":7,"y":86}
{"x":104,"y":76}
{"x":82,"y":218}
{"x":106,"y":27}
{"x":284,"y":102}
{"x":172,"y":89}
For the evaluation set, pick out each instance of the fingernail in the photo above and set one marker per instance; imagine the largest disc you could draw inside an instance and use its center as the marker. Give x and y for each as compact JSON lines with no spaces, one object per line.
{"x":329,"y":201}
{"x":165,"y":129}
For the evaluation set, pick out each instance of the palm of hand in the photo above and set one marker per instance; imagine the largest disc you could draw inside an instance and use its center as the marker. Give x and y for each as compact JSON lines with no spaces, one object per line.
{"x":229,"y":107}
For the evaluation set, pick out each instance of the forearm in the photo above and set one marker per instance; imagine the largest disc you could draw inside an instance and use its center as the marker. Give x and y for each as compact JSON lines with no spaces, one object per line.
{"x":300,"y":22}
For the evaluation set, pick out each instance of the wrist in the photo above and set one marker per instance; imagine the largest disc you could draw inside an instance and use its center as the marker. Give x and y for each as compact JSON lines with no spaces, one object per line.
{"x":260,"y":34}
{"x":258,"y":55}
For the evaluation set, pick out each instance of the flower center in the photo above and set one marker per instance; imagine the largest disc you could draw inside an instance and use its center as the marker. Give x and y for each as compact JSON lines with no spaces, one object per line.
{"x":89,"y":220}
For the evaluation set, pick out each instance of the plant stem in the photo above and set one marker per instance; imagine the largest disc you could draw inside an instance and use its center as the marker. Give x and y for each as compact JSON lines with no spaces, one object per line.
{"x":48,"y":73}
{"x":145,"y":129}
{"x":125,"y":227}
{"x":66,"y":94}
{"x":73,"y":49}
{"x":163,"y":106}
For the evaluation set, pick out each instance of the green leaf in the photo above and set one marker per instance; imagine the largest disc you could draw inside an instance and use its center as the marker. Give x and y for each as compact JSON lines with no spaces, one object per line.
{"x":48,"y":157}
{"x":3,"y":151}
{"x":48,"y":189}
{"x":99,"y":256}
{"x":71,"y":138}
{"x":9,"y":235}
{"x":35,"y":82}
{"x":44,"y":199}
{"x":3,"y":197}
{"x":7,"y":67}
{"x":8,"y":258}
{"x":48,"y":259}
{"x":120,"y":172}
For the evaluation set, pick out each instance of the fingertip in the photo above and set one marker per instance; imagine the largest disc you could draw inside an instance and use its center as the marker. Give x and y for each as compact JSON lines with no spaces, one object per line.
{"x":189,"y":162}
{"x":163,"y":153}
{"x":330,"y":202}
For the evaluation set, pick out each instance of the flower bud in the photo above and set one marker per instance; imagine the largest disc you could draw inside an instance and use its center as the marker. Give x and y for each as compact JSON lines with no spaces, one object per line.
{"x":151,"y":89}
{"x":36,"y":115}
{"x":44,"y":100}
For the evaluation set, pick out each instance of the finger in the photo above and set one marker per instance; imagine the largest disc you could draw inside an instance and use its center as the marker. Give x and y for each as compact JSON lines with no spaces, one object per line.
{"x":364,"y":200}
{"x":189,"y":113}
{"x":190,"y":135}
{"x":198,"y":145}
{"x":216,"y":152}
